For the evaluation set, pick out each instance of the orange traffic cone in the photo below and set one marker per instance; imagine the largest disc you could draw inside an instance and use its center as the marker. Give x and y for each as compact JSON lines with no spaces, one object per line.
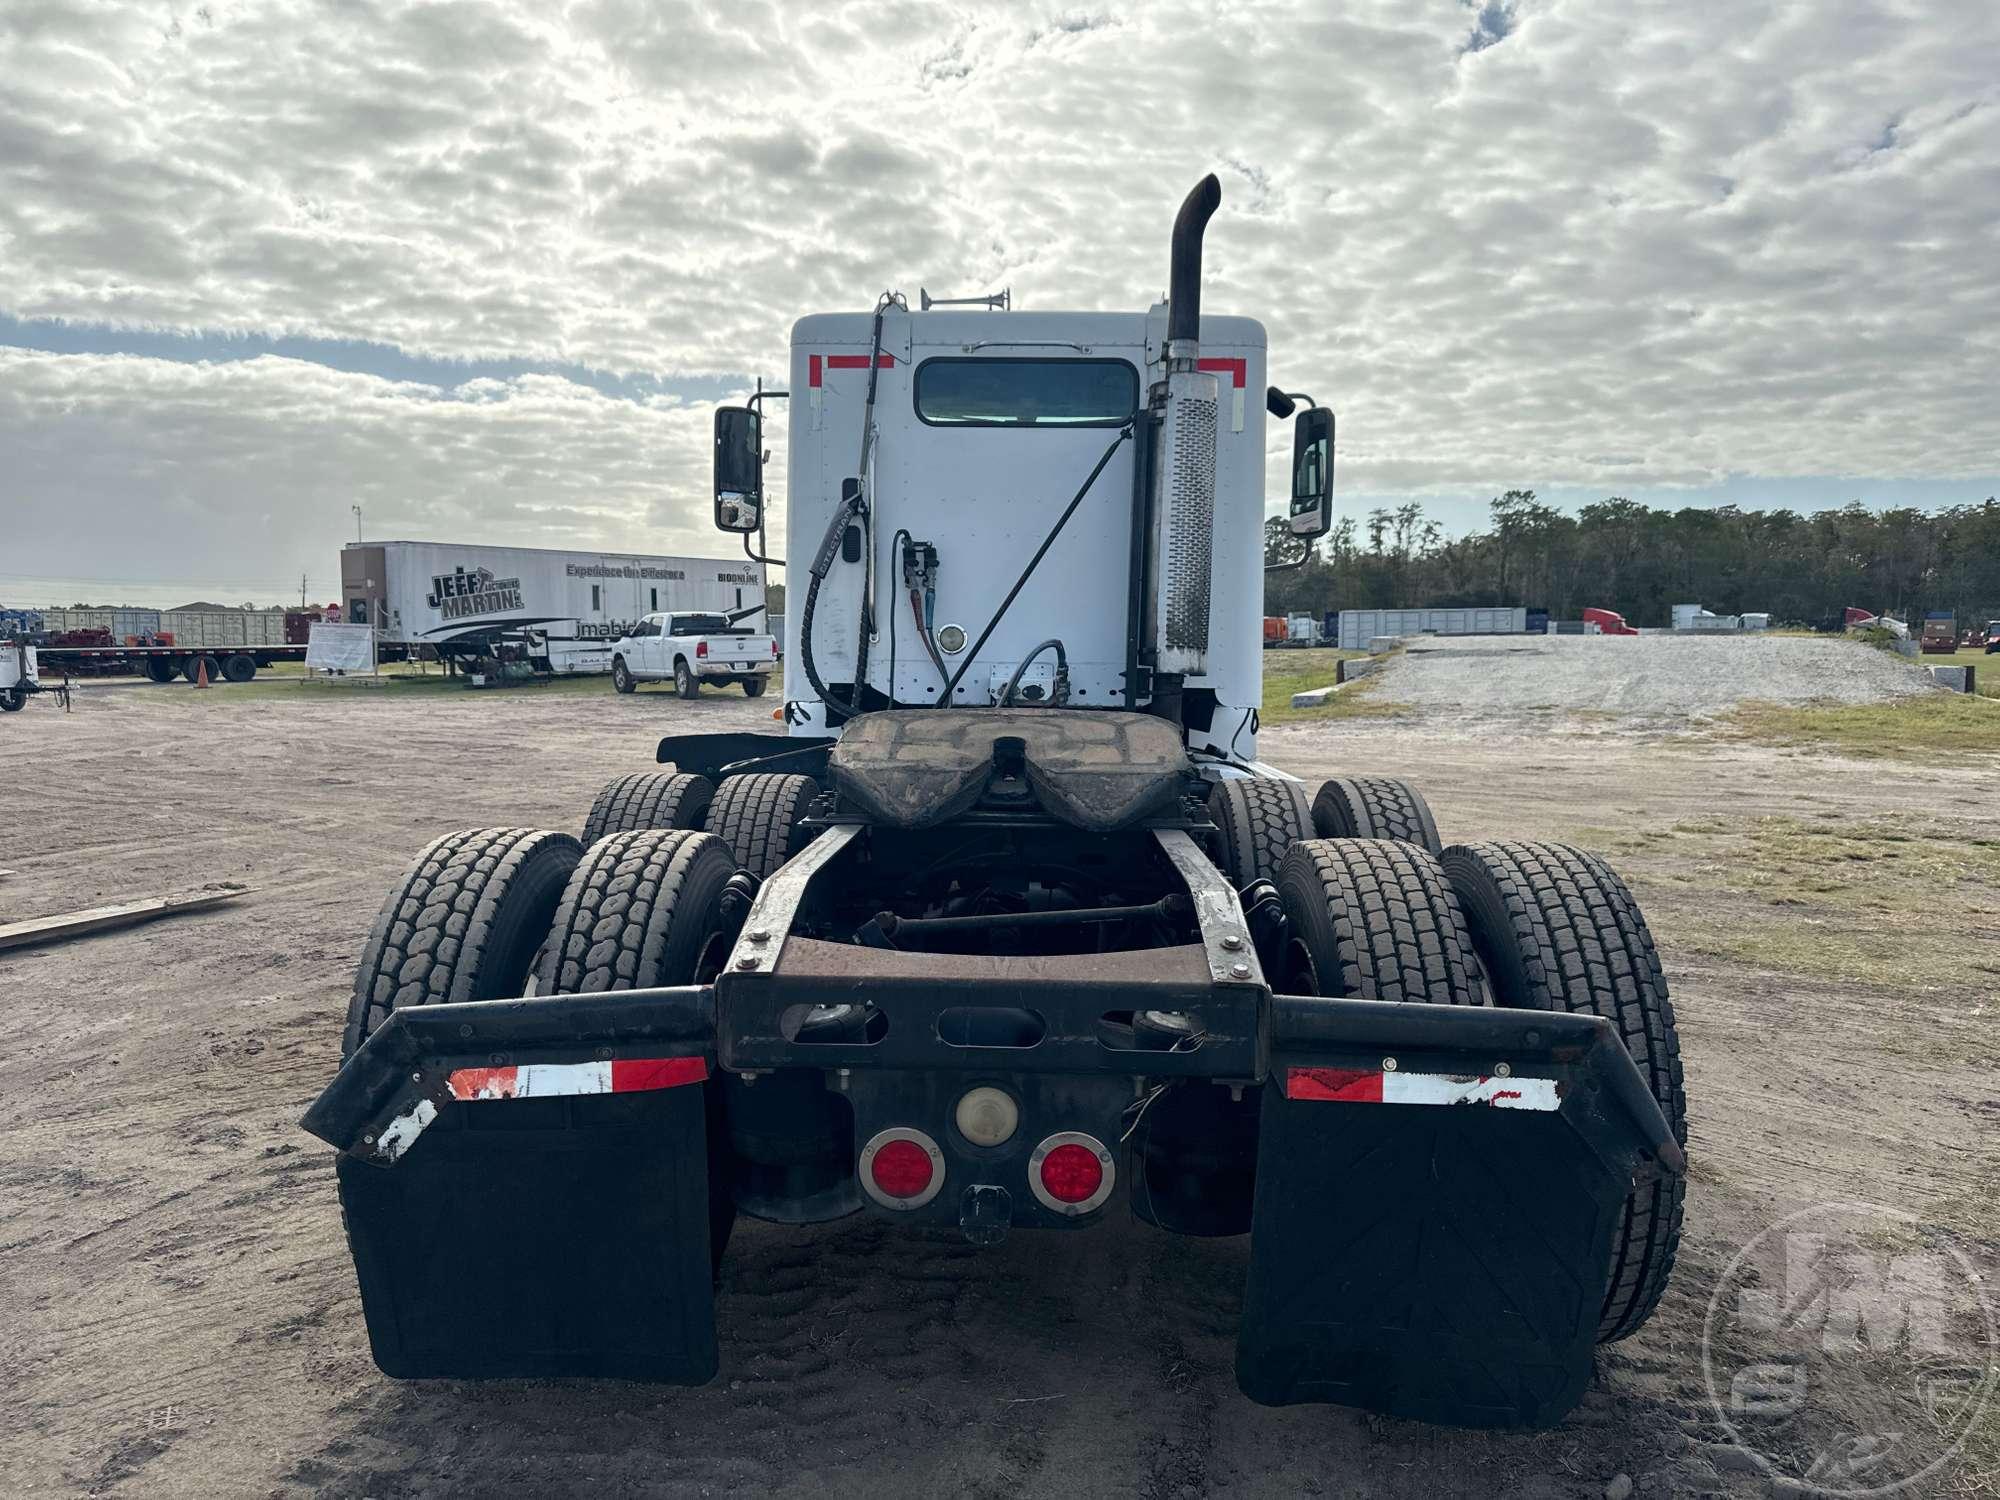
{"x":201,"y":672}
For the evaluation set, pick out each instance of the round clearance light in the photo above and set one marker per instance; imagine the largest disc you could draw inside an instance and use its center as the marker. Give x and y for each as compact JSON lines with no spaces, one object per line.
{"x":951,"y":639}
{"x":901,"y":1168}
{"x":1071,"y":1173}
{"x":987,"y":1116}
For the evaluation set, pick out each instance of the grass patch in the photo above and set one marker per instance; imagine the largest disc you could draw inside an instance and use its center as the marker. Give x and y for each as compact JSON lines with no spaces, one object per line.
{"x":1892,"y":900}
{"x":1987,"y":675}
{"x":1918,"y":728}
{"x":1289,"y":672}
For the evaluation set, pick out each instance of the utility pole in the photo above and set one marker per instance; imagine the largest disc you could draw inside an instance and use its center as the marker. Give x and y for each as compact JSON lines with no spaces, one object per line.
{"x":302,"y":591}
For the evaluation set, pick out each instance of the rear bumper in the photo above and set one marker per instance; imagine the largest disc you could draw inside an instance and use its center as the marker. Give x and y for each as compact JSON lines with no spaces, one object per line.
{"x":1437,"y":1188}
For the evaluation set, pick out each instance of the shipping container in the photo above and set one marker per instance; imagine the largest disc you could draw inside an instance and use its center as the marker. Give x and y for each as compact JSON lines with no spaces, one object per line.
{"x":1359,"y":626}
{"x":572,"y":606}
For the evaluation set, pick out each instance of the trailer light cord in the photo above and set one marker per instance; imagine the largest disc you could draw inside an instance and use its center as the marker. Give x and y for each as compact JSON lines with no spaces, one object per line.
{"x":829,"y":548}
{"x":1124,"y":435}
{"x":1059,"y":692}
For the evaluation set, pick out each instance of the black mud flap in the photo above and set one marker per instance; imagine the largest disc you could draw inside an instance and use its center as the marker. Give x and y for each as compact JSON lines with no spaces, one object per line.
{"x":552,"y":1216}
{"x":1438,"y":1189}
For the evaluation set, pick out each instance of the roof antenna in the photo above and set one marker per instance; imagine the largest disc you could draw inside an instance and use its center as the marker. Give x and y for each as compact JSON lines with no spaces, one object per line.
{"x":1000,"y":301}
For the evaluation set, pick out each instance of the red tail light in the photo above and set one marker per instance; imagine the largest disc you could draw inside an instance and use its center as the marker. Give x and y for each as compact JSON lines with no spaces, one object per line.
{"x":774,"y":648}
{"x":701,"y":648}
{"x":901,"y":1168}
{"x":1071,"y":1173}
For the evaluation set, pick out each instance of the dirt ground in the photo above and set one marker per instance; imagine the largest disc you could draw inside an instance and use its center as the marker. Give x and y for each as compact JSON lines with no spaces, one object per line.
{"x":180,"y":1314}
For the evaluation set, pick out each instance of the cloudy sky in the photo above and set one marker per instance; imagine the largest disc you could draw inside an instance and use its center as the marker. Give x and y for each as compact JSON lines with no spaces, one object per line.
{"x":482,"y":268}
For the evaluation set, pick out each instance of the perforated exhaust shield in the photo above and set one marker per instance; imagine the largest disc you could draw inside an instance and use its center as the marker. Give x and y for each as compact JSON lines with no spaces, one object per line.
{"x":1184,"y":511}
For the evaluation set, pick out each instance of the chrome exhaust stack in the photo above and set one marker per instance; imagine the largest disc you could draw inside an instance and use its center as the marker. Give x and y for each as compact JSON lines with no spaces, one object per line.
{"x":1185,"y":403}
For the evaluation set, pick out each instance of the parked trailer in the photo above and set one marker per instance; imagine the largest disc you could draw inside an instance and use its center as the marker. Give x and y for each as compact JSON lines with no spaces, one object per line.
{"x":1359,"y":626}
{"x":970,"y":966}
{"x":164,"y":644}
{"x":566,"y":609}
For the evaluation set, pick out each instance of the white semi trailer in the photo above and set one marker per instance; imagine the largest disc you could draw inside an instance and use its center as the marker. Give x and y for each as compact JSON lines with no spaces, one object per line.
{"x":1011,"y":931}
{"x":566,"y":608}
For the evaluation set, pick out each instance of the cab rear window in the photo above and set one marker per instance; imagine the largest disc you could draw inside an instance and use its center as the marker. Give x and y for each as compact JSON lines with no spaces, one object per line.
{"x":1026,"y":392}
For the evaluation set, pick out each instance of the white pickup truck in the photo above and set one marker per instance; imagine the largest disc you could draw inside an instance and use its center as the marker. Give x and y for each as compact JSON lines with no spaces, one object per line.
{"x":689,"y":649}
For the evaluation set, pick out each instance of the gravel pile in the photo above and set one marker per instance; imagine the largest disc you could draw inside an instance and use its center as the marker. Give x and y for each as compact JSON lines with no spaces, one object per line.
{"x":1654,"y":676}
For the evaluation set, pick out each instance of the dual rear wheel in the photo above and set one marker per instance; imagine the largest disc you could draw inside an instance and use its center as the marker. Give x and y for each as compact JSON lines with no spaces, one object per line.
{"x":1540,"y":926}
{"x":1378,"y":908}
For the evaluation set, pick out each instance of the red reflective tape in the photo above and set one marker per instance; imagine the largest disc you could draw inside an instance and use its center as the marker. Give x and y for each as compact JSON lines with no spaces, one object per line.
{"x":487,"y":1083}
{"x":812,"y":369}
{"x":859,"y":361}
{"x":1354,"y":1085}
{"x":631,"y":1075}
{"x":1238,"y":370}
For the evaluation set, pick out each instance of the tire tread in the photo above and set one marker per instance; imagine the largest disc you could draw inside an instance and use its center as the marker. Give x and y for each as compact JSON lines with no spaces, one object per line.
{"x":624,"y":904}
{"x":445,"y":908}
{"x":1399,"y":932}
{"x":757,"y":817}
{"x":1585,"y":948}
{"x":648,"y":799}
{"x":1259,"y":819}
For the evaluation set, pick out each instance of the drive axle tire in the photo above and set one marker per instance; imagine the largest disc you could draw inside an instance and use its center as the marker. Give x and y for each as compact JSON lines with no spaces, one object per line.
{"x":641,"y":909}
{"x":239,"y":667}
{"x":463,"y":924}
{"x":621,"y":676}
{"x":753,"y":687}
{"x":1373,"y":919}
{"x":1257,"y":820}
{"x":758,"y":817}
{"x":1558,"y":930}
{"x":648,"y":799}
{"x":685,"y":682}
{"x":1375,"y":807}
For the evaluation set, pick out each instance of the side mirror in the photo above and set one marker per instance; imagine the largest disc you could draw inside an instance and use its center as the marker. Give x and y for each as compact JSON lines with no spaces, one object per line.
{"x":739,"y":469}
{"x":1312,"y":473}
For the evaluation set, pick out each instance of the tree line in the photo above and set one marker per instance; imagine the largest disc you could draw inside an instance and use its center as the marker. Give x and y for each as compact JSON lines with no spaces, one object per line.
{"x":1621,"y":555}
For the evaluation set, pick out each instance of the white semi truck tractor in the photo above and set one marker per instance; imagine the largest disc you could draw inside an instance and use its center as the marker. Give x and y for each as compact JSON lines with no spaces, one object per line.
{"x":1011,"y":931}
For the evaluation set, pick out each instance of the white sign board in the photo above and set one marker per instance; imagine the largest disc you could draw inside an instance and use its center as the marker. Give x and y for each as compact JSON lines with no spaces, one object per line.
{"x":340,"y":648}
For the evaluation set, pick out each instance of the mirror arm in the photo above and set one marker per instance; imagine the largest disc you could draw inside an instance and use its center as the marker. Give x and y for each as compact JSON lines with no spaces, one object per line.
{"x":757,"y":555}
{"x":1298,"y":562}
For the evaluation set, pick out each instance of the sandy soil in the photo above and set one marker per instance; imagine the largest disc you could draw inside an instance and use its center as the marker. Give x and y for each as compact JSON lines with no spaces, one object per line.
{"x":180,"y":1312}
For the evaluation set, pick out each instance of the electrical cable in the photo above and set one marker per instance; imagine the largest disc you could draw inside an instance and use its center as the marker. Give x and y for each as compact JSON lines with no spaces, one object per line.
{"x":1062,"y":669}
{"x":902,"y":536}
{"x":1249,"y":718}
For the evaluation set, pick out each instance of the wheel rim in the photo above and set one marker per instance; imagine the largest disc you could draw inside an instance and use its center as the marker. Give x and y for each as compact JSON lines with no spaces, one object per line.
{"x":1301,"y":976}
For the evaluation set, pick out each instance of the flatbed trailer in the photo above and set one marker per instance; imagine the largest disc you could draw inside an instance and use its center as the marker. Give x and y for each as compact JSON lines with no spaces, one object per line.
{"x":165,"y":663}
